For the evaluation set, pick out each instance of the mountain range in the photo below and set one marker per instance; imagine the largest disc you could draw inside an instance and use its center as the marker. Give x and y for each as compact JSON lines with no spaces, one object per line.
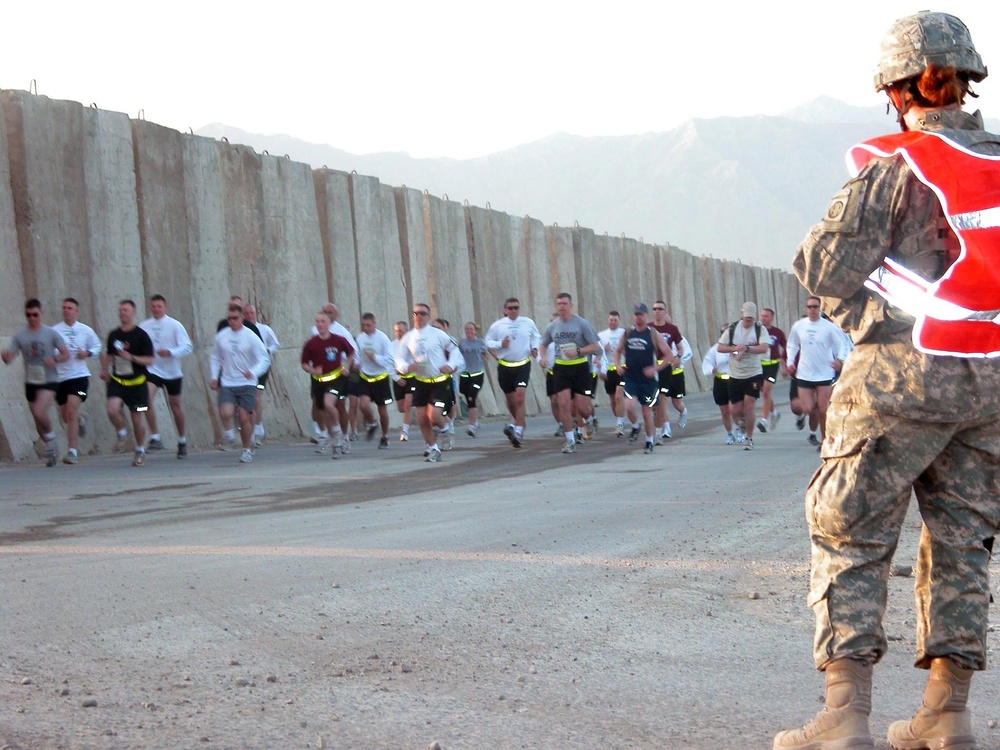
{"x":740,"y":188}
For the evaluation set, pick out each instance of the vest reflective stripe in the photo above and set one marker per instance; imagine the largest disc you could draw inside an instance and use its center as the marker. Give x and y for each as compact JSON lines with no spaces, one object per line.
{"x":138,"y":380}
{"x":519,"y":363}
{"x":329,"y":376}
{"x":579,"y":361}
{"x":438,"y":379}
{"x":959,"y":314}
{"x":373,"y":378}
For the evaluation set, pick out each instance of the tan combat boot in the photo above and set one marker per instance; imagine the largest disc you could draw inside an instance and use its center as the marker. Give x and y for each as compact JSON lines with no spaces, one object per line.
{"x":843,"y":722}
{"x":942,"y":722}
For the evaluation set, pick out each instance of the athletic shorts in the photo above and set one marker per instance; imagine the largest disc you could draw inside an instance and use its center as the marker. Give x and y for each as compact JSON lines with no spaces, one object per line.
{"x":379,"y":391}
{"x":262,"y":380}
{"x":73,"y":387}
{"x":31,"y":389}
{"x":611,"y":384}
{"x":793,"y":390}
{"x":812,"y":383}
{"x":666,"y":380}
{"x":172,"y":386}
{"x":336,"y":387}
{"x":550,"y":385}
{"x":399,"y":391}
{"x":771,"y":372}
{"x":436,"y":394}
{"x":511,"y":378}
{"x":677,"y":384}
{"x":720,"y":391}
{"x":354,"y":384}
{"x":242,"y":396}
{"x":575,"y":378}
{"x":644,"y":390}
{"x":135,"y":397}
{"x":739,"y":388}
{"x":469,"y":385}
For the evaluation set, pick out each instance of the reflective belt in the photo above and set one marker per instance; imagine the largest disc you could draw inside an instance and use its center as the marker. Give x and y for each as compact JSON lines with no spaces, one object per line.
{"x":373,"y":379}
{"x":678,"y":371}
{"x":722,"y":375}
{"x":329,"y":376}
{"x":139,"y":380}
{"x":438,"y":379}
{"x":766,"y":362}
{"x":524,"y":361}
{"x":406,"y":376}
{"x":612,"y":368}
{"x":579,"y":361}
{"x":472,"y":374}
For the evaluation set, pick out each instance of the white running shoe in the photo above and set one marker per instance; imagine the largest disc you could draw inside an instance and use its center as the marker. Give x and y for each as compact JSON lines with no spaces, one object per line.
{"x":321,"y":444}
{"x":403,"y":437}
{"x":433,"y":455}
{"x":775,"y":416}
{"x":762,"y":425}
{"x":749,"y":445}
{"x":620,"y":431}
{"x":682,"y":420}
{"x":345,"y":446}
{"x":471,"y":430}
{"x":569,"y":447}
{"x":246,"y":456}
{"x":730,"y":438}
{"x":666,"y":431}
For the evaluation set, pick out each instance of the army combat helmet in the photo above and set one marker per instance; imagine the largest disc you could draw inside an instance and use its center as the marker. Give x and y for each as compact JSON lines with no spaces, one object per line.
{"x":914,"y":42}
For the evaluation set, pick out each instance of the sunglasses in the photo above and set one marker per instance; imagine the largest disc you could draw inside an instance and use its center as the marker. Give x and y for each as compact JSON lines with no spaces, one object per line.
{"x":32,"y":315}
{"x":421,"y":313}
{"x":659,"y":309}
{"x":812,"y":307}
{"x":513,"y":307}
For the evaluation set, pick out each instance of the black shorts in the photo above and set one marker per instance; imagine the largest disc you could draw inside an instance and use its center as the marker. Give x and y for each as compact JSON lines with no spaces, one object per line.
{"x":379,"y":391}
{"x":336,"y":388}
{"x":739,"y":388}
{"x":511,"y":378}
{"x":172,"y":386}
{"x":469,"y":385}
{"x":261,"y":381}
{"x":575,"y":378}
{"x":437,"y":394}
{"x":645,"y":390}
{"x":354,"y":384}
{"x":793,"y":390}
{"x":399,"y":391}
{"x":677,"y":384}
{"x":135,"y":397}
{"x":771,"y":372}
{"x":30,"y":390}
{"x":720,"y":391}
{"x":611,"y":384}
{"x":73,"y":387}
{"x":666,"y":380}
{"x":550,"y":386}
{"x":812,"y":383}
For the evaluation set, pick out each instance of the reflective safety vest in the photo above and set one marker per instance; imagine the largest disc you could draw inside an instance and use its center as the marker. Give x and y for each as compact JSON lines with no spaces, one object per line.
{"x":959,"y":314}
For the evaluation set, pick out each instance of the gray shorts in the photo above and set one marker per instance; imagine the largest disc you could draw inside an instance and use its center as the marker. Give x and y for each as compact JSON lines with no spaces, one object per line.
{"x":244,"y":396}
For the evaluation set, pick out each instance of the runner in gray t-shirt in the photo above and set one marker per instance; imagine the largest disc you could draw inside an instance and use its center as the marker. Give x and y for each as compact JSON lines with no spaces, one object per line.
{"x":575,"y":340}
{"x":470,"y":380}
{"x":42,"y":348}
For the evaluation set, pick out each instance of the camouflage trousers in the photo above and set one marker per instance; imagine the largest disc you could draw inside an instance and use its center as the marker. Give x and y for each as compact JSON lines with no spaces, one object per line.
{"x":855,"y":506}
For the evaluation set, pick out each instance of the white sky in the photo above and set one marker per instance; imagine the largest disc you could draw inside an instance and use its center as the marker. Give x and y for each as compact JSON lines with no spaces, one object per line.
{"x":458,"y":79}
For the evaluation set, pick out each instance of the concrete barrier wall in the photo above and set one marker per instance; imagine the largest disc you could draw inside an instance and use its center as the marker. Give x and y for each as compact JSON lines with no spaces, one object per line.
{"x":98,"y":207}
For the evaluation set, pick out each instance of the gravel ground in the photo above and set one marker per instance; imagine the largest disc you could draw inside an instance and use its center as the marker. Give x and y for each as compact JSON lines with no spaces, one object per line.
{"x":500,"y":599}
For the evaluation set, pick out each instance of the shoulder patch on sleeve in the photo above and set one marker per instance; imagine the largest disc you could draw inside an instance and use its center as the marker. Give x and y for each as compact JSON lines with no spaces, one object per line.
{"x":844,"y":212}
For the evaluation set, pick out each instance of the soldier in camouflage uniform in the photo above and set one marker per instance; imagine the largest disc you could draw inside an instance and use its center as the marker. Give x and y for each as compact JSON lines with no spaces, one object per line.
{"x":903,"y":420}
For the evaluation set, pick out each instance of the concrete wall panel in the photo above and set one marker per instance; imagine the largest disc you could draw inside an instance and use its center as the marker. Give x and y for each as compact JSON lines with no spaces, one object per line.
{"x":418,"y":275}
{"x":333,"y":204}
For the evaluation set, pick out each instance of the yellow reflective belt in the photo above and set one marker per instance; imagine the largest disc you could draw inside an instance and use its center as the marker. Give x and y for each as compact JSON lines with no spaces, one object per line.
{"x":722,"y":375}
{"x":438,"y":379}
{"x":329,"y":376}
{"x":678,"y":371}
{"x":375,"y":379}
{"x":139,"y":380}
{"x":769,"y":361}
{"x":612,"y":368}
{"x":472,"y":374}
{"x":579,"y":361}
{"x":524,"y":361}
{"x":406,"y":376}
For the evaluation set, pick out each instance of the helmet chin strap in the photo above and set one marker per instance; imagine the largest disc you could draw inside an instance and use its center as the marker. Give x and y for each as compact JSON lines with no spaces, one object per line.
{"x":900,"y":99}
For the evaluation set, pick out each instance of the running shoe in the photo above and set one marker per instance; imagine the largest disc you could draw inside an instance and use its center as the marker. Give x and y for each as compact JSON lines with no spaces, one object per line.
{"x":633,"y":435}
{"x":370,"y":430}
{"x":813,"y":439}
{"x":433,"y":455}
{"x":730,"y":438}
{"x":682,"y":420}
{"x":666,"y":431}
{"x":749,"y":445}
{"x":762,"y":425}
{"x":800,"y":421}
{"x":139,"y":458}
{"x":155,"y":445}
{"x":182,"y":450}
{"x":70,"y":458}
{"x":620,"y":431}
{"x":775,"y":416}
{"x":246,"y":456}
{"x":648,"y":448}
{"x":558,"y":432}
{"x":740,"y":436}
{"x":569,"y":447}
{"x":471,"y":430}
{"x":383,"y":442}
{"x":403,"y":437}
{"x":51,"y":457}
{"x":321,"y":445}
{"x":353,"y":435}
{"x":121,"y":445}
{"x":447,"y":435}
{"x":258,"y":441}
{"x":508,"y":430}
{"x":345,"y":446}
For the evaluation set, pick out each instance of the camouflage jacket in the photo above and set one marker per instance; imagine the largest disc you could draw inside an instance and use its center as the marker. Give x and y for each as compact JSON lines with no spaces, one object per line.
{"x":887,"y":212}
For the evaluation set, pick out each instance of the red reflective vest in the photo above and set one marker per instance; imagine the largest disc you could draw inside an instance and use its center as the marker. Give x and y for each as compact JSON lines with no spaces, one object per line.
{"x":959,"y":314}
